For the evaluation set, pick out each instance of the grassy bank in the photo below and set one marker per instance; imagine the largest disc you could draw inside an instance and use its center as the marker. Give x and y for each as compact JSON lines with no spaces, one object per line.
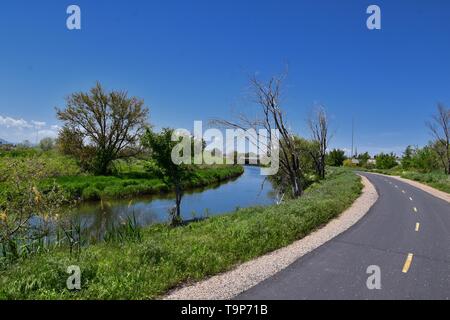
{"x":165,"y":257}
{"x":56,"y":165}
{"x":137,"y":183}
{"x":437,"y":180}
{"x":129,"y":179}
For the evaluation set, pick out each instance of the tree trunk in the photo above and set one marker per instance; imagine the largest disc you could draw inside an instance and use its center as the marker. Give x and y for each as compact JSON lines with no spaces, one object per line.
{"x":297,"y":190}
{"x":322,"y":168}
{"x":103,"y":170}
{"x":178,"y":196}
{"x":102,"y":163}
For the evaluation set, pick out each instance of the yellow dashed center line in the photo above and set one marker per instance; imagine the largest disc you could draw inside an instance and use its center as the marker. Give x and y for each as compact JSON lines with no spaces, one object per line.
{"x":415,"y":209}
{"x":408,"y":263}
{"x":417,"y":227}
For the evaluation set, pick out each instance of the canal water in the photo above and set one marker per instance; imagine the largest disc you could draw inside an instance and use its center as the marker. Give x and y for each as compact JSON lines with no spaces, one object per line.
{"x":245,"y":191}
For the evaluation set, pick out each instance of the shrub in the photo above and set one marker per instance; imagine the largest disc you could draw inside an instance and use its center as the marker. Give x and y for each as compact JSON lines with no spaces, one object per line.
{"x":90,"y":193}
{"x":336,"y":158}
{"x":349,"y":163}
{"x":386,"y":161}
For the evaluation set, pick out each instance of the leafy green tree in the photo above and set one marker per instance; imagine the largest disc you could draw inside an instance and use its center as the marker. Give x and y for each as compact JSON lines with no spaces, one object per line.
{"x":47,"y":144}
{"x":26,"y":144}
{"x":309,"y":157}
{"x":425,"y":159}
{"x":363,"y":158}
{"x":104,"y":125}
{"x":161,"y":146}
{"x":386,"y":160}
{"x":336,"y":158}
{"x":70,"y":142}
{"x":407,"y":159}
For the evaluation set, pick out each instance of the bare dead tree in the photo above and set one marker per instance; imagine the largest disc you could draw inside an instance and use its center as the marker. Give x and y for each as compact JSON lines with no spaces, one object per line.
{"x":319,"y":127}
{"x":270,"y":116}
{"x":440,"y":130}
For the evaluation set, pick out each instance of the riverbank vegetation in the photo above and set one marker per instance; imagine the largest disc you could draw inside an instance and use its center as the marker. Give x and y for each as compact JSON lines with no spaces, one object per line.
{"x":106,"y":149}
{"x":98,"y":155}
{"x":36,"y":194}
{"x":137,"y":183}
{"x":129,"y":178}
{"x":163,"y":257}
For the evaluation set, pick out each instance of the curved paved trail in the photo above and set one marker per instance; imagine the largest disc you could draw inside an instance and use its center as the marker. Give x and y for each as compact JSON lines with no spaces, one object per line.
{"x":406,"y":234}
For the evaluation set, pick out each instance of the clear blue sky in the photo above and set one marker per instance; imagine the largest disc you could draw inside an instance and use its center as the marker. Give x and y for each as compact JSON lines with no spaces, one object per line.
{"x":190,"y":60}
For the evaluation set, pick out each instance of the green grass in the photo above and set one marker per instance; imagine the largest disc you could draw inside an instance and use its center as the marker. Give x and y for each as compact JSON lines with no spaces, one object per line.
{"x":166,"y":257}
{"x":437,"y":180}
{"x":137,"y":183}
{"x":130,"y":178}
{"x":56,"y":165}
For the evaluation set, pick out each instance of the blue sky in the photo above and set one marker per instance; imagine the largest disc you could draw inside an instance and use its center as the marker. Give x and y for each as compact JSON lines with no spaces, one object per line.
{"x":190,"y":60}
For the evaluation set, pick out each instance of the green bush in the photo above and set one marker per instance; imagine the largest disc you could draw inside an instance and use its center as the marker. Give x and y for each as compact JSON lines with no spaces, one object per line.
{"x":336,"y":158}
{"x":349,"y":163}
{"x":90,"y":193}
{"x":386,"y":161}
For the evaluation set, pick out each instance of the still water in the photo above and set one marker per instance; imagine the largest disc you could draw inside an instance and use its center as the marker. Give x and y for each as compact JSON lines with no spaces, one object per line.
{"x":245,"y":191}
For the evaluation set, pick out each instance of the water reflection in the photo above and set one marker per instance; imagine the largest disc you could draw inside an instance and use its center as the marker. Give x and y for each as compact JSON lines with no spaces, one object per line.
{"x":245,"y":191}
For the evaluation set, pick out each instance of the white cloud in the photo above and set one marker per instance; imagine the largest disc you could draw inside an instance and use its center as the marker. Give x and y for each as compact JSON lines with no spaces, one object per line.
{"x":47,"y":134}
{"x":18,"y":130}
{"x":14,"y":123}
{"x":38,"y":124}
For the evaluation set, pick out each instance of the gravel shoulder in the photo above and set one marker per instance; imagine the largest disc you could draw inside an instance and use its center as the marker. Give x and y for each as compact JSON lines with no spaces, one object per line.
{"x":229,"y":284}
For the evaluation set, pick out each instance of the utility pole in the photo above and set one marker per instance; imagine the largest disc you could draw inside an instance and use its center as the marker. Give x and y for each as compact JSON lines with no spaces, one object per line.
{"x":353,"y":135}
